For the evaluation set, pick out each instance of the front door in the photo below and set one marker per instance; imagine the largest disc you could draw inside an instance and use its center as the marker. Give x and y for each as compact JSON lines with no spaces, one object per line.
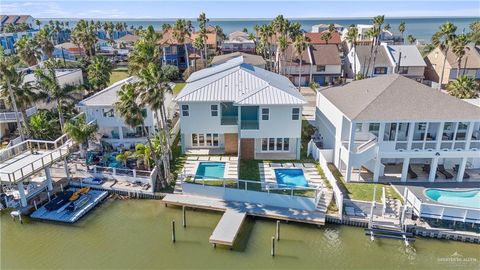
{"x":247,"y":148}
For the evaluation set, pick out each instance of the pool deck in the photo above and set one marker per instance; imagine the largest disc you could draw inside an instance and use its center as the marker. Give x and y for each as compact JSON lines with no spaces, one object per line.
{"x":70,"y":217}
{"x":231,"y":165}
{"x":418,"y":188}
{"x":267,"y":172}
{"x":234,"y":212}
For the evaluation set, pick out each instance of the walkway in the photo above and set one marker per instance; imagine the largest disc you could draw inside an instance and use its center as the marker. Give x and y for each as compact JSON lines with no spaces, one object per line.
{"x":228,"y":227}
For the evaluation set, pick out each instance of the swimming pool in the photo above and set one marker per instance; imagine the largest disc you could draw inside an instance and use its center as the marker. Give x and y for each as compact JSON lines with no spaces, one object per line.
{"x":291,"y":177}
{"x":213,"y":170}
{"x":467,"y":198}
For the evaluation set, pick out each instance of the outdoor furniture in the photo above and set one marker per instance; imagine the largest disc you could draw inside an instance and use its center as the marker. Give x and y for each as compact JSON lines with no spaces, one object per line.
{"x":426,"y":168}
{"x":441,"y":169}
{"x":411,"y":173}
{"x":465,"y":174}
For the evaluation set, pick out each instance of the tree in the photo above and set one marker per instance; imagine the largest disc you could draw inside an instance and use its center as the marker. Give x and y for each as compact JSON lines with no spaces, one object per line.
{"x":143,"y":152}
{"x":301,"y":44}
{"x":460,"y":48}
{"x":99,"y":72}
{"x":401,"y":29}
{"x":170,"y":72}
{"x":85,"y":35}
{"x":352,"y":36}
{"x":376,"y":31}
{"x":51,"y":91}
{"x":123,"y":157}
{"x":182,"y":29}
{"x":411,"y":39}
{"x":28,"y":50}
{"x":38,"y":23}
{"x":202,"y":23}
{"x":7,"y":75}
{"x":198,"y":45}
{"x":80,"y":132}
{"x":444,"y":40}
{"x":463,"y":87}
{"x":145,"y":50}
{"x":474,"y":35}
{"x":44,"y":42}
{"x":42,"y":127}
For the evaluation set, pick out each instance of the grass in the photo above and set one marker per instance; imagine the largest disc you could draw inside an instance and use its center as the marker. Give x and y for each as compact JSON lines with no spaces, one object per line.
{"x":178,"y":87}
{"x":118,"y":75}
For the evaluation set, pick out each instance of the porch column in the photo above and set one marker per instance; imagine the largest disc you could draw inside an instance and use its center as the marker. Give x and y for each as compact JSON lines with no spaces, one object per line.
{"x":351,"y":143}
{"x":65,"y":163}
{"x":120,"y":133}
{"x":49,"y":178}
{"x":461,"y":169}
{"x":433,"y":170}
{"x":298,"y":144}
{"x":468,"y":135}
{"x":411,"y":129}
{"x":349,"y":171}
{"x":21,"y":192}
{"x":439,"y":135}
{"x":381,"y":132}
{"x":376,"y":170}
{"x":406,"y":163}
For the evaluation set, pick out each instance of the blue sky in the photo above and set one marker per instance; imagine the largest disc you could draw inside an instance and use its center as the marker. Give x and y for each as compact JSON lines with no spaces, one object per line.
{"x":155,"y":9}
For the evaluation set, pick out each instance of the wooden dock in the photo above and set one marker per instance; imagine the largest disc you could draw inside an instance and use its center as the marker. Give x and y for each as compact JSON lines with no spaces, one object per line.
{"x":235,"y":212}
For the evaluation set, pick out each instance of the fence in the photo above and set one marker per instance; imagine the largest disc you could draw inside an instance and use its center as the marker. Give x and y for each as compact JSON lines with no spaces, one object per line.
{"x":127,"y":175}
{"x":324,"y":156}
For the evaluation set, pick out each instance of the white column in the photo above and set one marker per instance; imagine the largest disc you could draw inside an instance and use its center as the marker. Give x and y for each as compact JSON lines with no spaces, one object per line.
{"x":49,"y":178}
{"x":461,"y":169}
{"x":411,"y":130}
{"x":406,"y":162}
{"x":65,"y":163}
{"x":468,"y":138}
{"x":120,"y":133}
{"x":433,"y":170}
{"x":439,"y":135}
{"x":351,"y":142}
{"x":21,"y":191}
{"x":381,"y":132}
{"x":349,"y":171}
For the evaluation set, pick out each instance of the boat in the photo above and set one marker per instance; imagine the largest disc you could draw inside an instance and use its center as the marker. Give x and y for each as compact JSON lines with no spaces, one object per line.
{"x":79,"y":192}
{"x":61,"y":199}
{"x":75,"y":205}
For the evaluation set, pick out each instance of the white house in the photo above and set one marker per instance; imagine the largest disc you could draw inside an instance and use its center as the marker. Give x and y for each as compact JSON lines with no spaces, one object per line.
{"x":237,"y":108}
{"x":394,"y":128}
{"x":238,"y":42}
{"x":364,"y":38}
{"x":101,"y":108}
{"x":319,"y":28}
{"x":402,"y":59}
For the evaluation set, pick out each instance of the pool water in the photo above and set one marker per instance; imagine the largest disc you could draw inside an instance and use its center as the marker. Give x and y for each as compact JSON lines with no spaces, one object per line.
{"x":291,"y":177}
{"x":467,"y":198}
{"x":212,"y":170}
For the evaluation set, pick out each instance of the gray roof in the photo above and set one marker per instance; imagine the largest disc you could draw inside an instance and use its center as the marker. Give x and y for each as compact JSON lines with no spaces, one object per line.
{"x":252,"y":59}
{"x":411,"y":57}
{"x":243,"y":84}
{"x":108,"y":96}
{"x":397,"y":98}
{"x":363,"y":54}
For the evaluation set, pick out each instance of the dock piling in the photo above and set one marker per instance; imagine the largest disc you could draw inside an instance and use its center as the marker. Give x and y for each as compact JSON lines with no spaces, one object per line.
{"x":273,"y":247}
{"x":277,"y":234}
{"x":184,"y":216}
{"x":173,"y":231}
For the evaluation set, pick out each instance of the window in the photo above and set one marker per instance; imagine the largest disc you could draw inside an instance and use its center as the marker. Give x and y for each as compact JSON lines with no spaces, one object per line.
{"x":320,"y":68}
{"x":380,"y":70}
{"x":209,"y":140}
{"x":202,"y":140}
{"x":265,"y":113}
{"x":358,"y":127}
{"x":295,"y":113}
{"x":275,"y":144}
{"x":374,"y":128}
{"x":214,"y":110}
{"x":194,"y":139}
{"x":215,"y":139}
{"x":403,"y":70}
{"x":185,"y":110}
{"x":108,"y":113}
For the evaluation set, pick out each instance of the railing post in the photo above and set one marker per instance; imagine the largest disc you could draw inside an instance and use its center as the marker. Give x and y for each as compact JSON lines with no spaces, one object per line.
{"x":134,"y":171}
{"x":246,"y":184}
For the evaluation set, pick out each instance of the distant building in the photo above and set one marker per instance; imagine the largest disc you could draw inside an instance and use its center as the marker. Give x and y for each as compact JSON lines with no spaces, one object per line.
{"x":251,"y":59}
{"x":316,"y":38}
{"x":318,"y":28}
{"x":174,"y":51}
{"x":238,"y":42}
{"x":16,"y":20}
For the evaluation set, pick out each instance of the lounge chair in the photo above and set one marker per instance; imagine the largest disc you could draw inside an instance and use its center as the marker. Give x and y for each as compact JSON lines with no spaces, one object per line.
{"x":441,"y":169}
{"x":426,"y":168}
{"x":465,"y":174}
{"x":411,"y":173}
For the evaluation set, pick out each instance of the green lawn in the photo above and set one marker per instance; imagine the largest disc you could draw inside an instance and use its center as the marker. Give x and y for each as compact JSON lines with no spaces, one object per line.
{"x":178,"y":87}
{"x":117,"y":75}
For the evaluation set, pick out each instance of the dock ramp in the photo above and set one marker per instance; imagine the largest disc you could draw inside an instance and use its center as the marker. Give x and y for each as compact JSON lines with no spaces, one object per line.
{"x":228,"y":227}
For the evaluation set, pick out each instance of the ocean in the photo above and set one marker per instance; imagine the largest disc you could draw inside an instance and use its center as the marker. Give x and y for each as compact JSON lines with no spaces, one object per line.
{"x":421,"y":28}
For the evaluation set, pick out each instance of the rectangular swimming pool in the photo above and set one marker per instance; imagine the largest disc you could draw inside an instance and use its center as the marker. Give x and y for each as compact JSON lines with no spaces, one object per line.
{"x":210,"y":170}
{"x":291,"y":177}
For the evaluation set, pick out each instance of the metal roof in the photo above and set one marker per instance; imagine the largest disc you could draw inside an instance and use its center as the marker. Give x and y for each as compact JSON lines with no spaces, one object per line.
{"x":108,"y":96}
{"x":243,"y":84}
{"x":411,"y":57}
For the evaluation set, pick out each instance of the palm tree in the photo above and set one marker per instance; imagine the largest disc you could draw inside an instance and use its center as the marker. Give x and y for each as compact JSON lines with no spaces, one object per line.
{"x":84,"y":34}
{"x":352,"y":36}
{"x":301,"y":44}
{"x":474,"y":34}
{"x":28,"y":50}
{"x":198,"y":45}
{"x":376,"y":32}
{"x":42,"y":127}
{"x":460,"y":48}
{"x":51,"y":91}
{"x":444,"y":40}
{"x":44,"y":42}
{"x":38,"y":23}
{"x":387,"y":27}
{"x":80,"y":132}
{"x":8,"y":73}
{"x":401,"y":29}
{"x":463,"y":87}
{"x":182,"y":30}
{"x":98,"y":73}
{"x":123,"y":157}
{"x":326,"y":36}
{"x":145,"y":50}
{"x":202,"y":23}
{"x":411,"y":39}
{"x":144,"y":152}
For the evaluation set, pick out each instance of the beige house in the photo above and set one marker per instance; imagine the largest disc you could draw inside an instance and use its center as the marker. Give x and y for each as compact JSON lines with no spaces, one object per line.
{"x":469,"y":65}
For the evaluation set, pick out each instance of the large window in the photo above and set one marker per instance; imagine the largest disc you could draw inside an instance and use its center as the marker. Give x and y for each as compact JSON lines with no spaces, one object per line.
{"x":374,"y":128}
{"x":202,"y":140}
{"x":108,"y":113}
{"x":265,"y":114}
{"x":295,"y":113}
{"x":320,"y":68}
{"x":380,"y":70}
{"x":275,"y":144}
{"x":185,"y":110}
{"x":214,"y":110}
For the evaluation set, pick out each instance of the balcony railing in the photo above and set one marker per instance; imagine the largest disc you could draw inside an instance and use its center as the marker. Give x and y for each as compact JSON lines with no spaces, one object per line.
{"x":9,"y":116}
{"x":249,"y":124}
{"x":228,"y":120}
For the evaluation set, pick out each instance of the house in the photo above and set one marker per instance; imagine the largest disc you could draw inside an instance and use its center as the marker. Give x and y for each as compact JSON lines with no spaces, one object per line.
{"x":101,"y":108}
{"x":392,"y":128}
{"x":469,"y":65}
{"x":365,"y":39}
{"x":68,"y":51}
{"x":174,"y":51}
{"x":251,"y":59}
{"x":319,"y":28}
{"x":8,"y":40}
{"x":239,"y":109}
{"x":16,"y":20}
{"x":213,"y":40}
{"x":238,"y":41}
{"x":320,"y":63}
{"x":401,"y":59}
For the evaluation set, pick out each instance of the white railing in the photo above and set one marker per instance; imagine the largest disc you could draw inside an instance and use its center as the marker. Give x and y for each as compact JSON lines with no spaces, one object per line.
{"x":9,"y":116}
{"x":122,"y":174}
{"x":384,"y":202}
{"x":31,"y":111}
{"x":366,"y":145}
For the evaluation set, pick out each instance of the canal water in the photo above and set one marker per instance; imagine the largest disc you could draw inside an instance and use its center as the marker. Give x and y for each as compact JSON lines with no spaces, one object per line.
{"x":137,"y":235}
